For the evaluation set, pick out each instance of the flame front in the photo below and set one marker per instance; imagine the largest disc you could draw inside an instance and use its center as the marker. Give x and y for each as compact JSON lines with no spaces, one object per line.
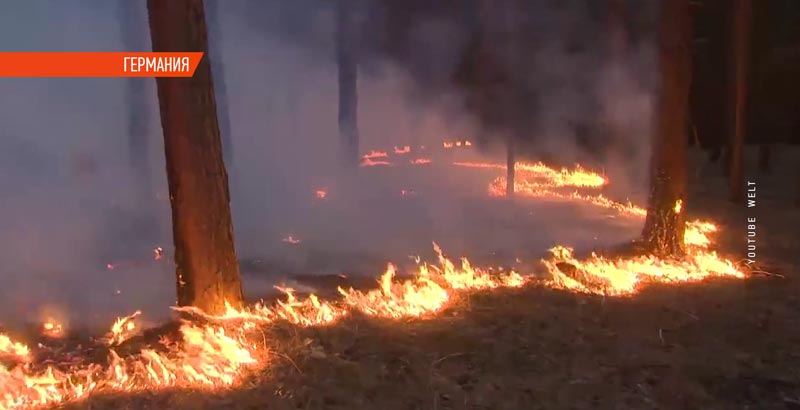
{"x":219,"y":351}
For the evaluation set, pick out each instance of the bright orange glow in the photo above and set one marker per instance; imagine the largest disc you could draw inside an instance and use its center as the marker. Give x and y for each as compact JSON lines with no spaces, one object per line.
{"x":371,"y":163}
{"x":217,"y":351}
{"x":52,"y":328}
{"x":375,"y":154}
{"x":321,"y":194}
{"x":402,"y":150}
{"x":420,"y":161}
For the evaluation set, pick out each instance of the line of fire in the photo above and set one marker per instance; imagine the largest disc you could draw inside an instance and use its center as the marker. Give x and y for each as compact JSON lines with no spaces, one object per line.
{"x":368,"y":204}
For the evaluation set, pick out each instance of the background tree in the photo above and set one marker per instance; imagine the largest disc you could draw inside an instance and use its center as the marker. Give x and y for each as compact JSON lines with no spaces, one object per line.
{"x":207,"y":270}
{"x":665,"y":224}
{"x":347,"y":61}
{"x":741,"y":43}
{"x":134,"y":38}
{"x":220,"y":85}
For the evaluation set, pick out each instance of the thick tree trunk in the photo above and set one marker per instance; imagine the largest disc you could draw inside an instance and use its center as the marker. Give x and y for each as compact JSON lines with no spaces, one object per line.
{"x":134,"y":38}
{"x":207,"y":270}
{"x":741,"y":44}
{"x":665,"y":223}
{"x":220,"y":86}
{"x":346,"y":57}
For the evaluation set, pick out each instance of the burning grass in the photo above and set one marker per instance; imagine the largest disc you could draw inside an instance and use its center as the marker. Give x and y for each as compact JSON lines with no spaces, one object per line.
{"x":215,"y":352}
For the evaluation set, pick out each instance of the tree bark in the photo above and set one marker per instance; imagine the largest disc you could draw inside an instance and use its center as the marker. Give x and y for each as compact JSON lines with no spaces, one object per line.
{"x":134,"y":38}
{"x":346,"y":58}
{"x":665,"y":224}
{"x":220,"y":85}
{"x":741,"y":44}
{"x":207,"y":271}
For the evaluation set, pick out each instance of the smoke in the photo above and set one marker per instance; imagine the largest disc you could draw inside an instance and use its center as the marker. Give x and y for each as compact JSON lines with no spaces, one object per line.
{"x":77,"y":238}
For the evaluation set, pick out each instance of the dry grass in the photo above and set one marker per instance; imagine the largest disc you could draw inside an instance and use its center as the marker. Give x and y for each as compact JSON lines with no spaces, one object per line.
{"x":714,"y":345}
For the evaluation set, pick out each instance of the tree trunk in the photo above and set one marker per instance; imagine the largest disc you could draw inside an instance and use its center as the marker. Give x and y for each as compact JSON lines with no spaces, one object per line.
{"x":134,"y":38}
{"x":741,"y":44}
{"x":207,"y":270}
{"x":346,"y":57}
{"x":764,"y":156}
{"x":665,"y":223}
{"x":511,"y":105}
{"x":220,"y":86}
{"x":511,"y":166}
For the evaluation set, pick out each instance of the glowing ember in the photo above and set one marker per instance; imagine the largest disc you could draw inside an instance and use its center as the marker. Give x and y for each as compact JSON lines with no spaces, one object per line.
{"x":447,"y":144}
{"x":52,"y":328}
{"x":420,"y":161}
{"x":371,"y":163}
{"x":291,"y":240}
{"x":402,"y":150}
{"x":678,"y":206}
{"x":158,"y":253}
{"x":375,"y":154}
{"x":321,"y":194}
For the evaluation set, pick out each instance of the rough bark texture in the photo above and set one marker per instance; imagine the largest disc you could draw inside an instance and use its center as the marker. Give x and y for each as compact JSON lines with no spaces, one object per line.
{"x":665,"y":223}
{"x":220,"y":86}
{"x":207,"y":270}
{"x":134,"y":38}
{"x":346,"y":57}
{"x":741,"y":44}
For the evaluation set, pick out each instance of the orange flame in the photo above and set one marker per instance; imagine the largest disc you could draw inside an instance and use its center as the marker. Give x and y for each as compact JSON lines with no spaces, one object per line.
{"x":375,"y":154}
{"x":370,"y":163}
{"x":218,"y":352}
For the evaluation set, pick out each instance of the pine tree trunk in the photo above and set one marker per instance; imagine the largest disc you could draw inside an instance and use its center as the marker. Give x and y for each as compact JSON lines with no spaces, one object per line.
{"x":134,"y":38}
{"x":207,"y":270}
{"x":346,"y":57}
{"x":665,"y":223}
{"x":741,"y":42}
{"x":220,"y":85}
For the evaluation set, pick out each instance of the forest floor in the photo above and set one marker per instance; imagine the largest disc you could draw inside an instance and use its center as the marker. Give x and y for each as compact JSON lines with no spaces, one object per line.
{"x":719,"y":344}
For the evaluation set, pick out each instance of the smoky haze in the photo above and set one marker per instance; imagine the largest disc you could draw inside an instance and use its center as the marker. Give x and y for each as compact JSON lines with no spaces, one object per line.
{"x":77,"y":238}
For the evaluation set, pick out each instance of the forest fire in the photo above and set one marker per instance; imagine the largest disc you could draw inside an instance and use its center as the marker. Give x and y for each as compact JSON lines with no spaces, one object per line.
{"x":402,"y":150}
{"x":420,"y":161}
{"x":217,"y":353}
